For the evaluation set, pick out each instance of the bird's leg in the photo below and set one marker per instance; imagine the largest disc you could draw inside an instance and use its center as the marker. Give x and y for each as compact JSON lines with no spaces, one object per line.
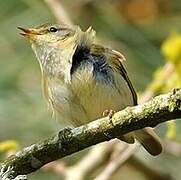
{"x":125,"y":138}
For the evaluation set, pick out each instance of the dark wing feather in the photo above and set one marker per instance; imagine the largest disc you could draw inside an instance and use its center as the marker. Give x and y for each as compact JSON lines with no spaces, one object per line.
{"x":115,"y":60}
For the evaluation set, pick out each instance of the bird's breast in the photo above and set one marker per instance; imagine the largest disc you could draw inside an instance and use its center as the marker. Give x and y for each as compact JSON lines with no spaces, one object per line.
{"x":90,"y":92}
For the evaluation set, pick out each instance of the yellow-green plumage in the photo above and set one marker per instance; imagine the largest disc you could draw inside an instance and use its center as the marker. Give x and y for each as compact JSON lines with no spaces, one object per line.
{"x":82,"y":79}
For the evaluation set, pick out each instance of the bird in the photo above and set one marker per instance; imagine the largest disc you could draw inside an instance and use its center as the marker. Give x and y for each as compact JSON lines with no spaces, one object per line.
{"x":83,"y":80}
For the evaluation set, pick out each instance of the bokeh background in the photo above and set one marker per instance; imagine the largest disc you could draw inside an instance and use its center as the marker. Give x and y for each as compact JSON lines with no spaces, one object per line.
{"x":147,"y":32}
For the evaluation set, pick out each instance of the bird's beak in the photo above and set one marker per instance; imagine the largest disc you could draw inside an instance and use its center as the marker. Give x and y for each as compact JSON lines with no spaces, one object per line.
{"x":29,"y":33}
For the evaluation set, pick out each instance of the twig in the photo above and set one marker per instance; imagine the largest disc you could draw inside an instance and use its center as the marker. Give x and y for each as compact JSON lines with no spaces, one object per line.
{"x":59,"y":167}
{"x":58,"y":11}
{"x":149,"y":172}
{"x":160,"y":109}
{"x":116,"y":162}
{"x":90,"y":163}
{"x":173,"y":148}
{"x":167,"y":70}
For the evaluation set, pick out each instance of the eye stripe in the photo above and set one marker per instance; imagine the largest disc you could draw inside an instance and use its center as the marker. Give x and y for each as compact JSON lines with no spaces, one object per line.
{"x":63,"y":28}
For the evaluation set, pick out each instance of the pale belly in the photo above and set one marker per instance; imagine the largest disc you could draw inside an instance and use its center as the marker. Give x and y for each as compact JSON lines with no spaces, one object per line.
{"x":84,"y":99}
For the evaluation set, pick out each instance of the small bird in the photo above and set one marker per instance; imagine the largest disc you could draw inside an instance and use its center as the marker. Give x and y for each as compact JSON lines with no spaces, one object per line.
{"x":82,"y":79}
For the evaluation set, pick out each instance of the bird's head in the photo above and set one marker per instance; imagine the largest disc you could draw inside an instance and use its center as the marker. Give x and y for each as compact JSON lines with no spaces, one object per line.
{"x":54,"y":45}
{"x":49,"y":35}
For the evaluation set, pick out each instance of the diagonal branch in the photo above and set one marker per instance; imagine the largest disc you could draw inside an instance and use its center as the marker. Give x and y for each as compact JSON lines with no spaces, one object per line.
{"x":58,"y":11}
{"x":160,"y":109}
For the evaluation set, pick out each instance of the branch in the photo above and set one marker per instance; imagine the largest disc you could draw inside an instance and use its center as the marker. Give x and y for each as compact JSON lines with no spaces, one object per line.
{"x":157,"y":84}
{"x":149,"y":172}
{"x":58,"y":11}
{"x":90,"y":163}
{"x":115,"y":163}
{"x":160,"y":109}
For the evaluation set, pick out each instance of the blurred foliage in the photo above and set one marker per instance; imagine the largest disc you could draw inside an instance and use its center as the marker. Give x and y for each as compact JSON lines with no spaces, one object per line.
{"x":8,"y":145}
{"x":135,"y":27}
{"x":172,"y":130}
{"x":8,"y":148}
{"x":171,"y":48}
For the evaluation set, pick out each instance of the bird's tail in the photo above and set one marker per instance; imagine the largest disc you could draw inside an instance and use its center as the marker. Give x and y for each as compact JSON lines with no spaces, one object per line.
{"x":149,"y":140}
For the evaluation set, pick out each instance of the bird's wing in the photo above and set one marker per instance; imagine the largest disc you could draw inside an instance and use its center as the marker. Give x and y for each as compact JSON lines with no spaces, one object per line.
{"x":115,"y":60}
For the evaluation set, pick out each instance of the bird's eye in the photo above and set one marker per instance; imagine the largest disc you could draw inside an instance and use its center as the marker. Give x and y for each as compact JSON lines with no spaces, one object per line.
{"x":53,"y":29}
